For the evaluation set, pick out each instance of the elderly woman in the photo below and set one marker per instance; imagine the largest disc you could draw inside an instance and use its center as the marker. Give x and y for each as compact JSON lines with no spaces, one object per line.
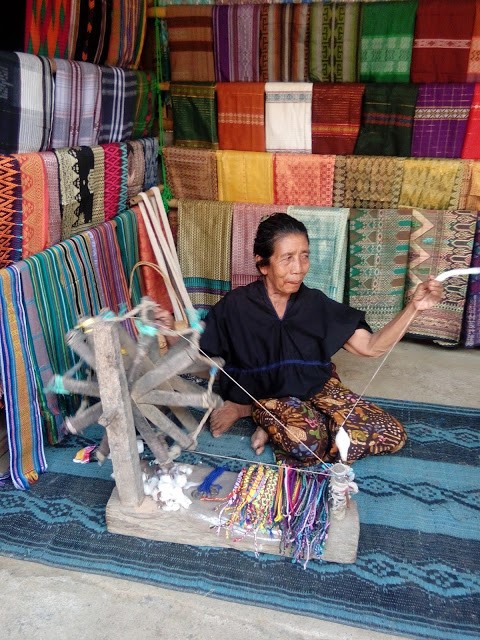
{"x":277,"y":337}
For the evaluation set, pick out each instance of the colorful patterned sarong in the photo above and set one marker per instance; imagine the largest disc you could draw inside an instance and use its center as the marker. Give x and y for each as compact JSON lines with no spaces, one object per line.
{"x":471,"y":318}
{"x":150,"y":153}
{"x":47,"y":28}
{"x":190,"y":42}
{"x":191,"y":173}
{"x":194,"y":115}
{"x":204,"y":240}
{"x":118,"y":104}
{"x":303,"y":179}
{"x":441,"y":117}
{"x":10,"y":211}
{"x":36,"y":103}
{"x":473,"y":68}
{"x":113,"y":177}
{"x":127,"y":237}
{"x":288,"y":116}
{"x":54,"y":214}
{"x":471,"y":142}
{"x":35,"y":205}
{"x":236,"y":39}
{"x":328,"y":234}
{"x":92,"y":31}
{"x":441,"y":46}
{"x":241,"y":115}
{"x":336,"y":115}
{"x":145,"y":104}
{"x":431,"y":184}
{"x":334,"y":33}
{"x":245,"y":176}
{"x":440,"y":240}
{"x":128,"y":23}
{"x":378,"y":252}
{"x":386,"y":41}
{"x":470,"y":196}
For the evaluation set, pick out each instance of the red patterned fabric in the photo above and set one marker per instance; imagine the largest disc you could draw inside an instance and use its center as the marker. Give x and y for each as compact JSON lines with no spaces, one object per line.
{"x":35,"y":205}
{"x":336,"y":116}
{"x":47,"y":28}
{"x":303,"y":179}
{"x":10,"y":211}
{"x":113,"y":178}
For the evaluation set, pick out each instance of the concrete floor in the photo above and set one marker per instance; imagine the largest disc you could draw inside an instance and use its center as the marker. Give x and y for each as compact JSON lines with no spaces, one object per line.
{"x":54,"y":604}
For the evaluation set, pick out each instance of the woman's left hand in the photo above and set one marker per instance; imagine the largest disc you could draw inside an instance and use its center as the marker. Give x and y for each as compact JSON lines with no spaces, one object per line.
{"x":427,"y":294}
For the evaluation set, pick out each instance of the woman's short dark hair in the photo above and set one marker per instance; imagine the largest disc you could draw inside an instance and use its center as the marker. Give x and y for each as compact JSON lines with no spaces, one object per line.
{"x":270,"y":230}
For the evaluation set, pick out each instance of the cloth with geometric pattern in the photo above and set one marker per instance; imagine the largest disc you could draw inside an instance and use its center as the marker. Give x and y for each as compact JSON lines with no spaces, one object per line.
{"x":191,"y":173}
{"x":303,"y":179}
{"x":119,"y":90}
{"x":431,"y":184}
{"x":236,"y":36}
{"x":11,"y":231}
{"x":471,"y":319}
{"x":471,"y":142}
{"x":47,"y":28}
{"x":241,"y":115}
{"x":336,"y":116}
{"x":194,"y":115}
{"x":35,"y":203}
{"x":127,"y":32}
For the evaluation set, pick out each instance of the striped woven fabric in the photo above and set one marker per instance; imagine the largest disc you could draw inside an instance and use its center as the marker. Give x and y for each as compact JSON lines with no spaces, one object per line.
{"x":336,"y":115}
{"x":270,"y":43}
{"x":328,"y":234}
{"x":75,"y":27}
{"x":136,"y":168}
{"x":128,"y":24}
{"x":441,"y":46}
{"x":245,"y":176}
{"x":10,"y":211}
{"x":22,"y":413}
{"x":303,"y":179}
{"x":47,"y":28}
{"x":36,"y":104}
{"x":118,"y":104}
{"x":113,"y":177}
{"x":204,"y":241}
{"x":386,"y":41}
{"x":126,"y":229}
{"x":387,"y":120}
{"x":194,"y":115}
{"x":470,"y":192}
{"x":471,"y":319}
{"x":54,"y":214}
{"x":191,"y":173}
{"x":441,"y":117}
{"x":440,"y":240}
{"x":288,"y":116}
{"x":145,"y":105}
{"x":150,"y":154}
{"x":246,"y":218}
{"x":241,"y":115}
{"x":190,"y":42}
{"x":236,"y":35}
{"x":367,"y":182}
{"x":471,"y":142}
{"x":91,"y":104}
{"x":378,"y":256}
{"x":92,"y":31}
{"x":473,"y":68}
{"x":334,"y":35}
{"x":431,"y":184}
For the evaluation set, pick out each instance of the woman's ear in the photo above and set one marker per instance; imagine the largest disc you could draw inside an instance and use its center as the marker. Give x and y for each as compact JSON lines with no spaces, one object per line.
{"x":260,"y":267}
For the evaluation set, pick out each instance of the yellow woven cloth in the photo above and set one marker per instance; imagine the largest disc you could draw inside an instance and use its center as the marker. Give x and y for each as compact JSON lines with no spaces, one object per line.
{"x":245,"y":176}
{"x":370,"y":182}
{"x":431,"y":184}
{"x":470,"y":196}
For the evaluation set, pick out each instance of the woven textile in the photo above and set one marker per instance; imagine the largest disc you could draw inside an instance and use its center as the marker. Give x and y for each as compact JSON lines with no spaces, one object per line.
{"x":35,"y":103}
{"x":150,"y":153}
{"x":10,"y":211}
{"x":245,"y":176}
{"x":145,"y":105}
{"x":336,"y":115}
{"x":127,"y":237}
{"x":441,"y":46}
{"x":288,"y":116}
{"x":136,"y":168}
{"x":440,"y":122}
{"x":93,"y":31}
{"x":473,"y":68}
{"x":113,"y":177}
{"x":367,"y":182}
{"x":387,"y":120}
{"x":471,"y":318}
{"x":47,"y":27}
{"x":431,"y":184}
{"x":191,"y":173}
{"x":386,"y":41}
{"x":82,"y":175}
{"x":303,"y":179}
{"x":35,"y":204}
{"x":378,"y":257}
{"x":236,"y":35}
{"x":194,"y":115}
{"x":470,"y":196}
{"x":54,"y":214}
{"x":440,"y":240}
{"x":246,"y":218}
{"x":334,"y":35}
{"x":128,"y":24}
{"x":471,"y":142}
{"x":328,"y":234}
{"x":241,"y":115}
{"x":204,"y":241}
{"x":118,"y":104}
{"x":22,"y":414}
{"x":190,"y":42}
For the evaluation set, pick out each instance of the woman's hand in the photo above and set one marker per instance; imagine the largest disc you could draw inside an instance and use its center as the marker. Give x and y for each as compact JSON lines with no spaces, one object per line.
{"x":427,"y":294}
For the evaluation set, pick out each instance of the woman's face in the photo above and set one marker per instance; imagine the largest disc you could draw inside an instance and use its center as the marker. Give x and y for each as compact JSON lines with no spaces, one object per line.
{"x":288,"y":266}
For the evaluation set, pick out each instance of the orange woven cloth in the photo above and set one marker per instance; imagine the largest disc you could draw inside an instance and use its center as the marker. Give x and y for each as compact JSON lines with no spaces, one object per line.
{"x":471,"y":142}
{"x":35,"y":203}
{"x":190,"y":42}
{"x":241,"y":115}
{"x":303,"y":179}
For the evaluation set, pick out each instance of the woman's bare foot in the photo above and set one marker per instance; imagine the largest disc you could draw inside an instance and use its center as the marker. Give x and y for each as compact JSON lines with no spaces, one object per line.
{"x":259,"y":440}
{"x":225,"y":416}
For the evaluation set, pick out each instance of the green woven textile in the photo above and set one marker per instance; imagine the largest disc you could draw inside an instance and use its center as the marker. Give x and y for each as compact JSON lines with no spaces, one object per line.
{"x":194,"y":115}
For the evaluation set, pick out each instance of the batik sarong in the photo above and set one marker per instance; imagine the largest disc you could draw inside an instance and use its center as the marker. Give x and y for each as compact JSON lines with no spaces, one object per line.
{"x":288,"y":116}
{"x":136,"y":168}
{"x":47,"y":28}
{"x":473,"y":68}
{"x":236,"y":35}
{"x":304,"y":432}
{"x":194,"y":115}
{"x":10,"y":211}
{"x":119,"y":88}
{"x":328,"y":234}
{"x":387,"y":120}
{"x":334,"y":33}
{"x":336,"y":115}
{"x":471,"y":318}
{"x":386,"y":41}
{"x":439,"y":241}
{"x":241,"y":115}
{"x":145,"y":104}
{"x":378,"y":256}
{"x":431,"y":184}
{"x":128,"y":23}
{"x":441,"y":46}
{"x":367,"y":181}
{"x":92,"y":31}
{"x":35,"y":205}
{"x":204,"y":240}
{"x":191,"y":173}
{"x":54,"y":214}
{"x":440,"y":122}
{"x":150,"y":153}
{"x":246,"y":218}
{"x":245,"y":176}
{"x":190,"y":42}
{"x":303,"y":179}
{"x":471,"y":142}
